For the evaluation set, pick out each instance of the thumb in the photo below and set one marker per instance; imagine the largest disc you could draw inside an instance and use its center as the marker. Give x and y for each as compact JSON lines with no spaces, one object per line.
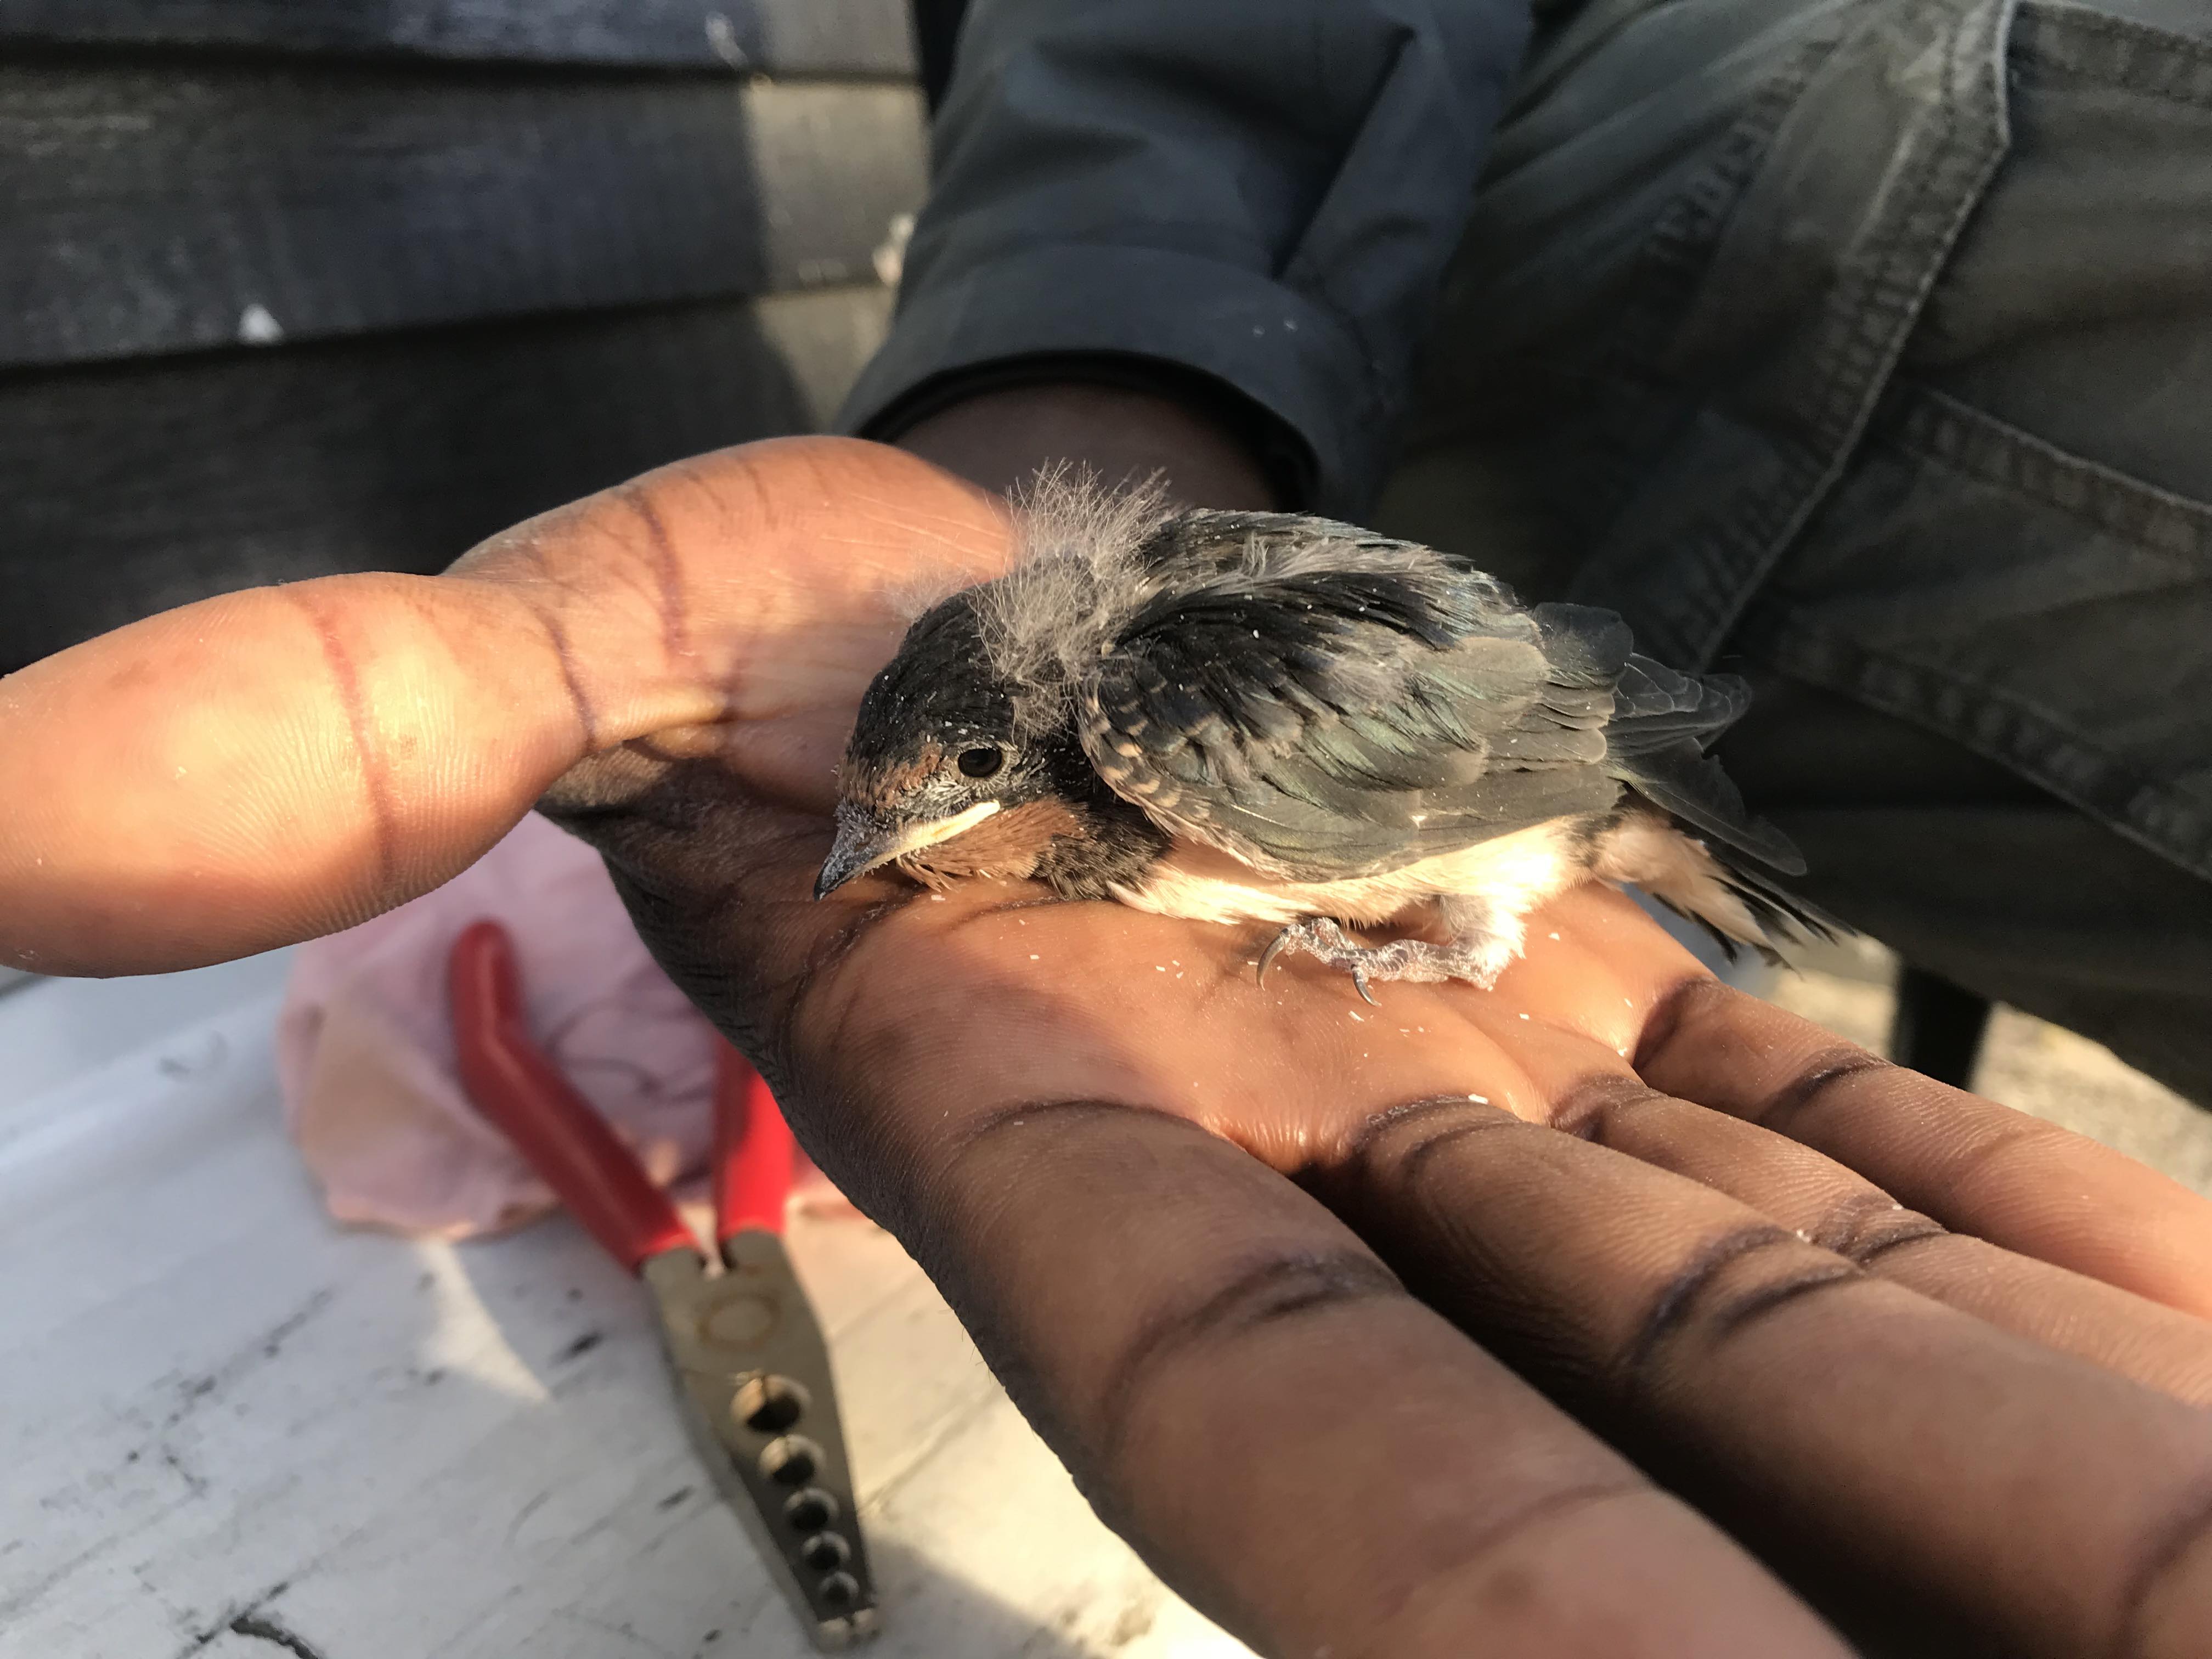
{"x":273,"y":764}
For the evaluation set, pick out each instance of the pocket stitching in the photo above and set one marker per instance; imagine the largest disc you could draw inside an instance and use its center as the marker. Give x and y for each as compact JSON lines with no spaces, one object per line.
{"x":1937,"y":428}
{"x":2113,"y":52}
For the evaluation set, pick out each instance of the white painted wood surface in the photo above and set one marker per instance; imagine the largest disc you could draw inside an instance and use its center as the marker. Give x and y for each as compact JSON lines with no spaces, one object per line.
{"x":228,"y":1428}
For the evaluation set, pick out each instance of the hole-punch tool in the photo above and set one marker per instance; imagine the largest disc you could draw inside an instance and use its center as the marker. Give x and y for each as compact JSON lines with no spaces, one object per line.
{"x":746,"y":1354}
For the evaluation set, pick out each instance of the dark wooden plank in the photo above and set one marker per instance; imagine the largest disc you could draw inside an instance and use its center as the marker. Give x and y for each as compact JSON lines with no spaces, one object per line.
{"x":147,"y":210}
{"x":133,"y":488}
{"x":775,"y":36}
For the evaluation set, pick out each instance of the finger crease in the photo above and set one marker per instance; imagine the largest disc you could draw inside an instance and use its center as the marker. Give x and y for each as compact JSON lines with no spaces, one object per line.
{"x":1917,"y":1230}
{"x":1870,"y":1224}
{"x":564,"y":654}
{"x":1266,"y":1293}
{"x":369,"y":755}
{"x":1413,"y":1163}
{"x":1833,"y":1066}
{"x":1589,"y":1108}
{"x":952,"y":1148}
{"x":1672,"y":1308}
{"x":667,"y":572}
{"x":1672,"y":1012}
{"x":1739,"y":1312}
{"x":1461,"y":1116}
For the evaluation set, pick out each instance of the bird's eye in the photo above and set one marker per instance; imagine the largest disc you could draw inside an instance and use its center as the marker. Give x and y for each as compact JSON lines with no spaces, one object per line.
{"x":980,"y":762}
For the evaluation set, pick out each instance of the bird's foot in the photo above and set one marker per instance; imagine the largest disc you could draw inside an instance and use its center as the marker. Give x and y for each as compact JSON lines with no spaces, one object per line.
{"x":1477,"y":959}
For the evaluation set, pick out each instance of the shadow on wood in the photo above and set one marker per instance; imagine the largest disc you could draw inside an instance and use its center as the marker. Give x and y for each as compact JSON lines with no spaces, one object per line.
{"x":137,"y":487}
{"x":292,"y":290}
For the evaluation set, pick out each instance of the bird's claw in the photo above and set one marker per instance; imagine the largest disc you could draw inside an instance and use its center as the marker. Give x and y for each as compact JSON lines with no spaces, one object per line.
{"x":1320,"y":937}
{"x":1478,"y":960}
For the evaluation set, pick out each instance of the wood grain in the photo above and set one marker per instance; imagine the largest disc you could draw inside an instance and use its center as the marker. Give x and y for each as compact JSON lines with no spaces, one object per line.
{"x":170,"y":208}
{"x":133,"y":488}
{"x":776,"y":37}
{"x":222,"y":1407}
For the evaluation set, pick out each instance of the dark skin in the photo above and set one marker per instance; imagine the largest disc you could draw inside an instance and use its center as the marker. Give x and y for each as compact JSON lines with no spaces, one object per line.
{"x":1180,"y":1213}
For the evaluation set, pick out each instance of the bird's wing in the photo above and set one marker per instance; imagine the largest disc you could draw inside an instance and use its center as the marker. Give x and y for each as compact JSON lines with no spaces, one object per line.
{"x":1328,"y":708}
{"x":1662,"y":724}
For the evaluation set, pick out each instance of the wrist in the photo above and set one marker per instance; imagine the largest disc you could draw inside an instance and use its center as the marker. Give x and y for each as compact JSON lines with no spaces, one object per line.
{"x":1002,"y":438}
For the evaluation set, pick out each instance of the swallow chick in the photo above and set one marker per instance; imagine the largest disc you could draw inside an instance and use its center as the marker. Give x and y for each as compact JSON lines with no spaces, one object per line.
{"x":1250,"y":717}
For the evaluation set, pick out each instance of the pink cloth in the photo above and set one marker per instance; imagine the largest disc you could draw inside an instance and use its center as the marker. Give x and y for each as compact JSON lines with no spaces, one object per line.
{"x":365,"y":1047}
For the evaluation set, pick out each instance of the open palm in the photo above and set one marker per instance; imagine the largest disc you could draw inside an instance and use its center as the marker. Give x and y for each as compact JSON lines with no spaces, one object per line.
{"x":1318,"y":1300}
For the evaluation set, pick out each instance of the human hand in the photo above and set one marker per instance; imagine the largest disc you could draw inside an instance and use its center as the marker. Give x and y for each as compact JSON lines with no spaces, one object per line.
{"x":285,"y":762}
{"x":1182,"y":1212}
{"x":1171,"y":1207}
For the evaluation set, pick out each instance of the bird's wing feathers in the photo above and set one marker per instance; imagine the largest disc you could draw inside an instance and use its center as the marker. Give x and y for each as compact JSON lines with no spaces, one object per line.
{"x":1662,"y":724}
{"x":1329,"y":707}
{"x":1322,"y":703}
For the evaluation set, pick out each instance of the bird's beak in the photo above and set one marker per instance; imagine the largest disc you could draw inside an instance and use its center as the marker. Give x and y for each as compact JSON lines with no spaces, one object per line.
{"x":866,"y":839}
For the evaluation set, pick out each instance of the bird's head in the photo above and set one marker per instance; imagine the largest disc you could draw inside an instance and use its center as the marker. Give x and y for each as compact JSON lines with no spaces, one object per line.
{"x":936,"y":753}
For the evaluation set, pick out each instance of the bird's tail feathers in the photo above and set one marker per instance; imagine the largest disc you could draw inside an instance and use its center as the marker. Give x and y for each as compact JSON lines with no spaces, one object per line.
{"x":1663,"y":722}
{"x":1679,"y":778}
{"x":1738,"y":905}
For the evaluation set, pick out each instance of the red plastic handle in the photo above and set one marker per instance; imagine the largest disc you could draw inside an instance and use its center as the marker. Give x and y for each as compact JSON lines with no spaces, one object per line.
{"x":753,"y":1149}
{"x":517,"y":1087}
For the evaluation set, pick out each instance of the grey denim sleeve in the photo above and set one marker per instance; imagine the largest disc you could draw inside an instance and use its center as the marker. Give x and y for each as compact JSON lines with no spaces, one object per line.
{"x":1265,"y":193}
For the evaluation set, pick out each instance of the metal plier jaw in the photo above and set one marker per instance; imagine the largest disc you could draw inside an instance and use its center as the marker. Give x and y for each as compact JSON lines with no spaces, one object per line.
{"x":747,"y":1355}
{"x":753,"y":1373}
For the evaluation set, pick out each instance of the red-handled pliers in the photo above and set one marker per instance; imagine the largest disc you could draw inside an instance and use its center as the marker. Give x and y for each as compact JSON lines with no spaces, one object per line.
{"x":747,"y":1355}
